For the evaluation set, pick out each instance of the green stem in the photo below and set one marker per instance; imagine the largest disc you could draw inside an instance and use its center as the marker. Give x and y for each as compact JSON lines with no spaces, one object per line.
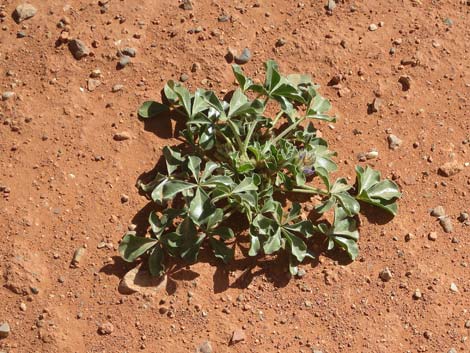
{"x":236,"y":135}
{"x":306,"y":189}
{"x":276,"y":119}
{"x":248,"y":136}
{"x":287,"y":131}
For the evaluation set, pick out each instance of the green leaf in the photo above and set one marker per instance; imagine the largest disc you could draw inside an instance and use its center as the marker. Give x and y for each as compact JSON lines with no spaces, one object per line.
{"x":201,"y":207}
{"x":155,"y":262}
{"x":173,"y":187}
{"x":238,"y":104}
{"x":273,"y":242}
{"x":297,"y":246}
{"x":173,"y":159}
{"x":246,"y":184}
{"x":255,"y":245}
{"x":151,"y":109}
{"x":242,"y":80}
{"x":221,"y":250}
{"x":272,"y":75}
{"x":132,"y":246}
{"x":303,"y":227}
{"x":194,"y":165}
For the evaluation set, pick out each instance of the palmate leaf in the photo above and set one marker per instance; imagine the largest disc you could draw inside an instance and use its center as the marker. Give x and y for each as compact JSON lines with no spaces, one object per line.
{"x":371,"y":190}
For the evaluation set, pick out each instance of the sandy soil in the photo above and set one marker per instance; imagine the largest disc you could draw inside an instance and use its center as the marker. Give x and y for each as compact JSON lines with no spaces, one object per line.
{"x":62,"y":176}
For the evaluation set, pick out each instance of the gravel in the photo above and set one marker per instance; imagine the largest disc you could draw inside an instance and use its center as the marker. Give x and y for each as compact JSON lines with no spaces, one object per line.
{"x":385,"y":275}
{"x":78,"y":49}
{"x":244,"y":57}
{"x":393,"y":142}
{"x":4,"y":330}
{"x":78,"y":257}
{"x":124,"y":61}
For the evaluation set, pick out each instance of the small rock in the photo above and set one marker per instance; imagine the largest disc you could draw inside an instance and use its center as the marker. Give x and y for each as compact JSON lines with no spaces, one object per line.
{"x":163,"y":310}
{"x":438,"y":211}
{"x":417,"y":294}
{"x":452,"y":350}
{"x":432,"y":236}
{"x":20,"y":34}
{"x":195,"y":67}
{"x":453,"y":288}
{"x":463,"y":217}
{"x":467,"y":324}
{"x":427,"y":335}
{"x":78,"y":257}
{"x":124,"y":61}
{"x":117,"y":88}
{"x":223,"y":18}
{"x":124,"y":198}
{"x":92,"y":84}
{"x":106,"y":328}
{"x":393,"y":142}
{"x":95,"y":73}
{"x":137,"y":280}
{"x":78,"y":49}
{"x":122,"y":136}
{"x":373,"y":27}
{"x":446,"y":224}
{"x":301,"y":273}
{"x":184,"y":77}
{"x":23,"y":307}
{"x":24,"y":12}
{"x":187,"y":5}
{"x":405,"y":82}
{"x":237,"y":336}
{"x":280,"y":42}
{"x":371,"y":154}
{"x":330,"y":6}
{"x":374,"y":107}
{"x":4,"y":330}
{"x":244,"y":57}
{"x":205,"y":347}
{"x":7,"y":95}
{"x":385,"y":275}
{"x":335,"y":80}
{"x":231,"y":54}
{"x":450,"y":169}
{"x":129,"y":52}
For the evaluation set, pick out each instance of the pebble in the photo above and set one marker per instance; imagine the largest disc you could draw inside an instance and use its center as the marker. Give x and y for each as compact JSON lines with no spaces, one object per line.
{"x":78,"y":49}
{"x":238,"y":335}
{"x":122,"y":136}
{"x":124,"y":198}
{"x":24,"y":12}
{"x":129,"y":52}
{"x":117,"y":88}
{"x":385,"y":275}
{"x":280,"y":42}
{"x":4,"y":330}
{"x":438,"y":211}
{"x":78,"y":257}
{"x":417,"y":294}
{"x":92,"y":84}
{"x":450,"y":169}
{"x":223,"y":18}
{"x":432,"y":236}
{"x":244,"y":57}
{"x":446,"y":224}
{"x":405,"y":82}
{"x":23,"y":307}
{"x":141,"y":281}
{"x":452,"y":350}
{"x":20,"y":34}
{"x":195,"y":67}
{"x":187,"y":5}
{"x":184,"y":77}
{"x":331,"y":5}
{"x":374,"y":107}
{"x":7,"y":95}
{"x":453,"y":288}
{"x":205,"y":347}
{"x":467,"y":324}
{"x":106,"y":328}
{"x":463,"y":217}
{"x":373,"y":27}
{"x":95,"y":73}
{"x":393,"y":142}
{"x":124,"y":61}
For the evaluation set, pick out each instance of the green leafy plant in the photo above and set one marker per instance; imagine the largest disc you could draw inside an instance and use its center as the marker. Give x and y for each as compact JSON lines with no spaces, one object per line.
{"x":237,"y":164}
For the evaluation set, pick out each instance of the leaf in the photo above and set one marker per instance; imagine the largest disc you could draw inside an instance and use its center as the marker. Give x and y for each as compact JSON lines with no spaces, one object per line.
{"x":155,"y":262}
{"x":199,"y":103}
{"x":273,"y":242}
{"x":272,"y":75}
{"x":221,"y":250}
{"x":194,"y":165}
{"x":132,"y":246}
{"x":201,"y":207}
{"x":173,"y":159}
{"x":246,"y":184}
{"x":242,"y":80}
{"x":297,"y":246}
{"x":382,"y":194}
{"x":238,"y":104}
{"x":151,"y":109}
{"x":255,"y":245}
{"x":173,"y":187}
{"x":303,"y":227}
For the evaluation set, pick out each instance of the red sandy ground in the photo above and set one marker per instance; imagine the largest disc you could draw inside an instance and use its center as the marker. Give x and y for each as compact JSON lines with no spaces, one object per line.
{"x":60,"y":197}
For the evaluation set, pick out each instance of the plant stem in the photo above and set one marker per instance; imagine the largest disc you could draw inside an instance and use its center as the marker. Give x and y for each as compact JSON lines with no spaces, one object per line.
{"x":276,"y":119}
{"x":248,"y":136}
{"x":306,"y":189}
{"x":287,"y":131}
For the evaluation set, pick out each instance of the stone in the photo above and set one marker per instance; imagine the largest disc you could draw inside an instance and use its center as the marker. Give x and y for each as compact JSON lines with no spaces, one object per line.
{"x":92,"y":84}
{"x":446,"y":224}
{"x":244,"y":57}
{"x":24,"y":12}
{"x":106,"y":328}
{"x":393,"y":142}
{"x":7,"y":95}
{"x":453,"y":288}
{"x":124,"y":61}
{"x":205,"y":347}
{"x":452,"y":350}
{"x":467,"y":324}
{"x":450,"y":169}
{"x":95,"y":73}
{"x":438,"y":211}
{"x":132,"y":52}
{"x":4,"y":330}
{"x":432,"y":236}
{"x":23,"y":307}
{"x":187,"y":5}
{"x":139,"y":280}
{"x":374,"y":107}
{"x":184,"y":77}
{"x":335,"y":80}
{"x":195,"y":67}
{"x":78,"y":49}
{"x":385,"y":275}
{"x":124,"y":198}
{"x":238,"y":335}
{"x":117,"y":88}
{"x":330,"y":6}
{"x":122,"y":136}
{"x":373,"y":27}
{"x":405,"y":82}
{"x":463,"y":217}
{"x":78,"y":257}
{"x":417,"y":294}
{"x":280,"y":42}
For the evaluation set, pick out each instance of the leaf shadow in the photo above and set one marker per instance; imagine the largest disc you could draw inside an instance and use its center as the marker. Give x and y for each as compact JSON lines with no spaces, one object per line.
{"x":375,"y":215}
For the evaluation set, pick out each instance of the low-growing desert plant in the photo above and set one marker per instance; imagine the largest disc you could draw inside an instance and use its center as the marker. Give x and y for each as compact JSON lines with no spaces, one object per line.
{"x":238,"y":163}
